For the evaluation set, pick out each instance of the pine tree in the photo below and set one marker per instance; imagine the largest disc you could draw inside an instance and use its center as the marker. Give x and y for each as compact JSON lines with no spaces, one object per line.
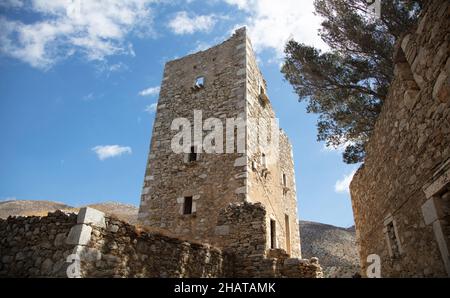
{"x":347,"y":85}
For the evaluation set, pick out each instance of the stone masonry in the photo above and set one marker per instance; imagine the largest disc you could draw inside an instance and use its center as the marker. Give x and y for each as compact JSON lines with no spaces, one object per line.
{"x":188,"y":197}
{"x":202,"y":214}
{"x":400,"y":195}
{"x":91,"y":244}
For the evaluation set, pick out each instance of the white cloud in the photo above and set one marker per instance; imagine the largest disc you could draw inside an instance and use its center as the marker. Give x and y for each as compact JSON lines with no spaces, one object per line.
{"x":272,"y":23}
{"x":241,"y":4}
{"x":9,"y":199}
{"x":201,"y":46}
{"x":151,"y":108}
{"x":97,"y":29}
{"x":108,"y":151}
{"x":185,"y":24}
{"x":342,"y":186}
{"x":88,"y":97}
{"x":150,"y":91}
{"x":11,"y":3}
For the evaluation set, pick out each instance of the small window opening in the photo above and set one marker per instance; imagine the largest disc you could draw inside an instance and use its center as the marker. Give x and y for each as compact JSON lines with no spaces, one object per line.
{"x":187,"y":205}
{"x":199,"y":82}
{"x":193,"y":154}
{"x":393,"y":241}
{"x":284,"y":180}
{"x":263,"y":160}
{"x":288,"y":234}
{"x":273,"y":234}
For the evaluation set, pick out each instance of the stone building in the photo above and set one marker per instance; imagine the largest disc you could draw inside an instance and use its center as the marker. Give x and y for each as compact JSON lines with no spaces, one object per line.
{"x":203,"y":214}
{"x":192,"y":193}
{"x":400,"y":195}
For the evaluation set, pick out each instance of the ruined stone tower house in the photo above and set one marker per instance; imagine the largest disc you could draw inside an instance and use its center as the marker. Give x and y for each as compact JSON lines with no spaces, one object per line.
{"x":188,"y":193}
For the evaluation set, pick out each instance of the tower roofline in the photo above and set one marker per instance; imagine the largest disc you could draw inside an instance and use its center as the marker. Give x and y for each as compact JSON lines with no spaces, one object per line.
{"x":237,"y":32}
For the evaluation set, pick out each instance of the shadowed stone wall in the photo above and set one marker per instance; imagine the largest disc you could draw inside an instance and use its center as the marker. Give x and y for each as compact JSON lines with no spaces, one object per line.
{"x":400,"y":194}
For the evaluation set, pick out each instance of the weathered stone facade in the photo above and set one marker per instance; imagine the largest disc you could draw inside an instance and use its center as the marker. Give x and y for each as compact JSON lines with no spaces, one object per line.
{"x":107,"y":247}
{"x":232,"y":87}
{"x":230,"y":214}
{"x":400,"y":195}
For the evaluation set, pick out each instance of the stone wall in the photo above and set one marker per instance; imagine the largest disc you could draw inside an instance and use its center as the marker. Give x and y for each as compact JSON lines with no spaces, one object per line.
{"x":35,"y":246}
{"x":242,"y":232}
{"x":50,"y":246}
{"x":409,"y":151}
{"x":265,"y":181}
{"x":122,"y":250}
{"x":40,"y":247}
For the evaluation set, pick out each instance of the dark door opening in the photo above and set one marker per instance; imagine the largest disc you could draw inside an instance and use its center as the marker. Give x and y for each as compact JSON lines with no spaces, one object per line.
{"x":187,"y":205}
{"x":273,"y":234}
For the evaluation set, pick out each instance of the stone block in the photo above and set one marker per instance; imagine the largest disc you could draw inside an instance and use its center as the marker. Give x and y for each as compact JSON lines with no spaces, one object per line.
{"x":79,"y":234}
{"x":113,"y":228}
{"x":59,"y":239}
{"x":91,"y":216}
{"x":240,"y":190}
{"x":429,"y":211}
{"x":441,"y":88}
{"x":222,"y":230}
{"x":241,"y":161}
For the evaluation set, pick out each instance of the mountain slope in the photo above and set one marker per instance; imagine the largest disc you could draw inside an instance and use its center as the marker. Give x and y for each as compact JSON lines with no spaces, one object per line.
{"x":30,"y":207}
{"x":125,"y":212}
{"x":334,"y":246}
{"x":41,"y":208}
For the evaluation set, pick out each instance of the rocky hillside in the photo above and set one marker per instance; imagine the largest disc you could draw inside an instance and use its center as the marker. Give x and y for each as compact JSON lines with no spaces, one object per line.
{"x":125,"y":212}
{"x":28,"y":208}
{"x":40,"y":208}
{"x":334,"y":246}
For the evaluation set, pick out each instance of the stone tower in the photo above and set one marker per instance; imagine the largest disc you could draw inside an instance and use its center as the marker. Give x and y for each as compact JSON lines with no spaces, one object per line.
{"x":186,"y":192}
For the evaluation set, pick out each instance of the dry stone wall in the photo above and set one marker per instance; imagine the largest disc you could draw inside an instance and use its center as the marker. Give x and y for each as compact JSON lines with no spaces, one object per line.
{"x":35,"y":246}
{"x":122,"y":250}
{"x":409,"y":151}
{"x":40,"y":247}
{"x":102,"y":246}
{"x":244,"y":239}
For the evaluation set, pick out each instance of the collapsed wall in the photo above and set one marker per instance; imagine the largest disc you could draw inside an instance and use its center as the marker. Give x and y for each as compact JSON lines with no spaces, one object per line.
{"x":91,"y":244}
{"x":400,"y":195}
{"x":241,"y":231}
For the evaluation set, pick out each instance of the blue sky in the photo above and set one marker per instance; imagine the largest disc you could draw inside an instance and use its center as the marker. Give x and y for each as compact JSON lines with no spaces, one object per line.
{"x":79,"y":83}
